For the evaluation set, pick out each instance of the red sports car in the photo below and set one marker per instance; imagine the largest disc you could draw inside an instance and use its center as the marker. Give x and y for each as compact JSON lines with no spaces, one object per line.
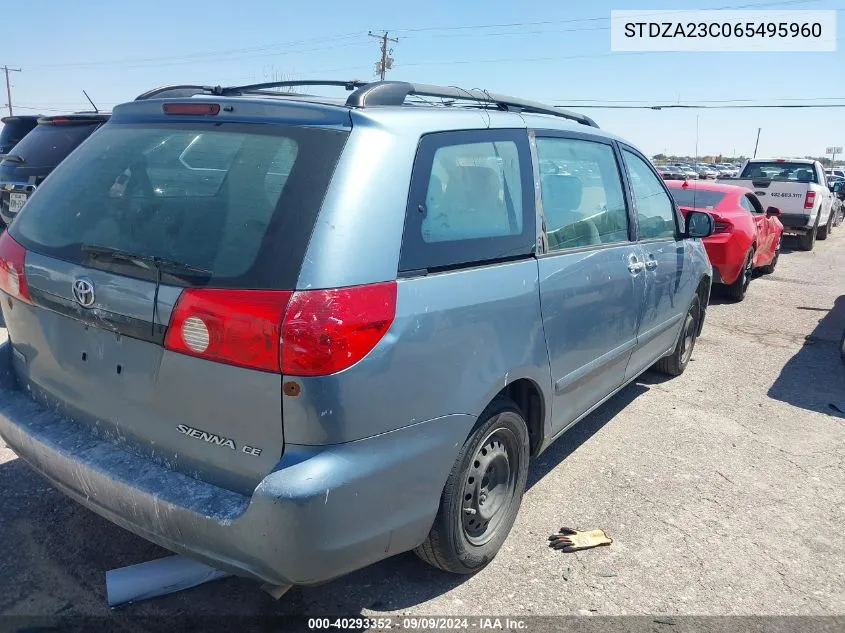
{"x":747,"y":236}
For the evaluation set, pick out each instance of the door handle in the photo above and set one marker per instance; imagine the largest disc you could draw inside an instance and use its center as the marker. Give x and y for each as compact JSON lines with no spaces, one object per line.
{"x":651,"y":262}
{"x":634,"y":264}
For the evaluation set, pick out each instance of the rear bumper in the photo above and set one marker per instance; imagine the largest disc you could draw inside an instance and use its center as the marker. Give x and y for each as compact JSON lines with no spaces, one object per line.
{"x":796,"y":222}
{"x":323,"y":512}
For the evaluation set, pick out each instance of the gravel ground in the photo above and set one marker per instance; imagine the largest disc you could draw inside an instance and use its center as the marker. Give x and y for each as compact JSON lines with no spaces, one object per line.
{"x":724,"y":492}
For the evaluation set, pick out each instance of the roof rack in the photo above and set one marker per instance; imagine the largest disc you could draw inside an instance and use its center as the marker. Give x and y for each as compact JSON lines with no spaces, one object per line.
{"x":395,"y":93}
{"x":379,"y":93}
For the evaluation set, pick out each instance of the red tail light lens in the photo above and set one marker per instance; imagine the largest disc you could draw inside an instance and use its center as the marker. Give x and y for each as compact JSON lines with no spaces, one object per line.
{"x":327,"y":331}
{"x":236,"y":327}
{"x":721,"y":224}
{"x":810,"y":200}
{"x":12,"y":275}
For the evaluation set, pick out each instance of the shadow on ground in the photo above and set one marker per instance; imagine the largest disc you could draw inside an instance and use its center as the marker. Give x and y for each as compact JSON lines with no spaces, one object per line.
{"x":814,"y":378}
{"x":54,"y":555}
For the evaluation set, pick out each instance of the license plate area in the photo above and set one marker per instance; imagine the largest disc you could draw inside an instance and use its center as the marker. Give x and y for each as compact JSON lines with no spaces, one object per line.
{"x":16,"y":202}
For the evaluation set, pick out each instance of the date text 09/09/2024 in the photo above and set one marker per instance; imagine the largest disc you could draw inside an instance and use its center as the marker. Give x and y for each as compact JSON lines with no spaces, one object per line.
{"x":418,"y":623}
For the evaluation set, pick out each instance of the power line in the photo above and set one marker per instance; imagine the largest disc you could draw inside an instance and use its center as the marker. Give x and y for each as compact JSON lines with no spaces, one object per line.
{"x":594,"y":19}
{"x":201,"y":57}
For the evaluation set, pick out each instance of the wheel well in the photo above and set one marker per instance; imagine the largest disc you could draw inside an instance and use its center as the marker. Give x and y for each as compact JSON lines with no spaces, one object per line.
{"x":529,"y":399}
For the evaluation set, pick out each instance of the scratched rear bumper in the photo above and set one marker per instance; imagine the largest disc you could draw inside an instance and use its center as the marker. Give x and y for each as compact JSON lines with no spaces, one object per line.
{"x":323,"y":512}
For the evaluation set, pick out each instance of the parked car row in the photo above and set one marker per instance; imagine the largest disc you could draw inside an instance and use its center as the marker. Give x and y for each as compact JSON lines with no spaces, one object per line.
{"x":687,"y":171}
{"x":224,"y":338}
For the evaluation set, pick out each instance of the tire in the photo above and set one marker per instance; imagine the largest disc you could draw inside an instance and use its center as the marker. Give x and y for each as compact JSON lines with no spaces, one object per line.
{"x":737,"y":289}
{"x":462,"y":542}
{"x":769,"y":268}
{"x":808,"y":241}
{"x":675,"y":363}
{"x":824,"y":231}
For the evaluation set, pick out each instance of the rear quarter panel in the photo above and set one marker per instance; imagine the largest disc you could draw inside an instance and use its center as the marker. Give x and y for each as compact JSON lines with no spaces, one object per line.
{"x":457,"y":340}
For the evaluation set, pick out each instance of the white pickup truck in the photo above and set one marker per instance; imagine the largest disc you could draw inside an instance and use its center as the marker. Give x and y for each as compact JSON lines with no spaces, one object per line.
{"x":796,"y":186}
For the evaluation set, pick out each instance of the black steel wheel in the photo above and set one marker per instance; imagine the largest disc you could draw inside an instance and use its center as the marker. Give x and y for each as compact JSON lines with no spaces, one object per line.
{"x":483,"y":493}
{"x":675,"y":363}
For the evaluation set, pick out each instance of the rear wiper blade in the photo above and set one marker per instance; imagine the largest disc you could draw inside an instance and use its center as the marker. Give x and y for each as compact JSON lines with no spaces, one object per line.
{"x":150,"y":262}
{"x":14,"y":158}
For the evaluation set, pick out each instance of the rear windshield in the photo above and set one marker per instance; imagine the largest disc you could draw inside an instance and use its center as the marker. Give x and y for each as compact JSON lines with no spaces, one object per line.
{"x":48,"y":145}
{"x":797,"y":172}
{"x":696,"y":199}
{"x":238,"y":201}
{"x":13,"y":131}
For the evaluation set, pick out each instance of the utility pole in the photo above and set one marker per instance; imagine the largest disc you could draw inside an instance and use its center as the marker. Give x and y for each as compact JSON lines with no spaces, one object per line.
{"x":758,"y":141}
{"x":386,"y":62}
{"x":696,"y":140}
{"x":8,"y":70}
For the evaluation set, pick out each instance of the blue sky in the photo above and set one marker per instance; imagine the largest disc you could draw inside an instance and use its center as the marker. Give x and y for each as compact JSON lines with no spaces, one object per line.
{"x":551,"y":51}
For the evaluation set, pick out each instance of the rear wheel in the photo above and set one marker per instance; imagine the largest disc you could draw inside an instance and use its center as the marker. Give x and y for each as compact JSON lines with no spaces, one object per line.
{"x":769,"y":268}
{"x":483,"y":493}
{"x":737,"y":289}
{"x":675,"y":363}
{"x":824,"y":231}
{"x":807,"y":241}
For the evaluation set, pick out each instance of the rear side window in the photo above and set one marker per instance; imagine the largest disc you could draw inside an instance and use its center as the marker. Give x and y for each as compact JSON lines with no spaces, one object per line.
{"x":750,"y":202}
{"x":469,"y":202}
{"x":583,"y":201}
{"x":48,"y":145}
{"x":236,"y":200}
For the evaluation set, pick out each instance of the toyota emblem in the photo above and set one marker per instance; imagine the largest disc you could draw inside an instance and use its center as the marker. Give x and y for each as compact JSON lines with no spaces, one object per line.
{"x":83,"y":292}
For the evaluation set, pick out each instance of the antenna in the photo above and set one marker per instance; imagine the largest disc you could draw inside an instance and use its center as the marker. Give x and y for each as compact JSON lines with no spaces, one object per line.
{"x":695,"y":190}
{"x":93,"y":105}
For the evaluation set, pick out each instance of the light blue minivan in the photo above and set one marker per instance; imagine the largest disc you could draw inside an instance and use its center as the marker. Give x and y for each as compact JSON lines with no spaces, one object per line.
{"x":291,"y":336}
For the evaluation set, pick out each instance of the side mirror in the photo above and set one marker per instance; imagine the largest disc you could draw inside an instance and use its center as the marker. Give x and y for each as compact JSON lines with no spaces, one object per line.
{"x":773,"y":212}
{"x":700,"y":224}
{"x":837,"y":186}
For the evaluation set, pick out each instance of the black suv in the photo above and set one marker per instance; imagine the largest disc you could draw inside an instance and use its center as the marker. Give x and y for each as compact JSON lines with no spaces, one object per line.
{"x":14,"y":129}
{"x":31,"y":160}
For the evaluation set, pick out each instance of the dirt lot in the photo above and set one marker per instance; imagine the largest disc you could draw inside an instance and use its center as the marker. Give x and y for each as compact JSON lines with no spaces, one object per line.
{"x":724,"y":492}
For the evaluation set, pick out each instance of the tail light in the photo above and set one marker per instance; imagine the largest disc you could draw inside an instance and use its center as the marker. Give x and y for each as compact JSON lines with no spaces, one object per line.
{"x":12,"y":275}
{"x":236,"y":327}
{"x":303,"y":333}
{"x":722,"y":225}
{"x":327,"y":331}
{"x":810,"y":200}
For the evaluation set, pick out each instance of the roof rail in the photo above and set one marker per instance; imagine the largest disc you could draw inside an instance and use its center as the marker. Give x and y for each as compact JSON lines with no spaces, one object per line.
{"x":379,"y":93}
{"x":395,"y":93}
{"x":191,"y":90}
{"x":257,"y":88}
